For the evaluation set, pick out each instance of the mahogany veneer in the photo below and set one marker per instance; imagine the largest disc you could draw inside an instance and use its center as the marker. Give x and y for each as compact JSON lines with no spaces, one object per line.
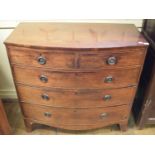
{"x":76,"y":76}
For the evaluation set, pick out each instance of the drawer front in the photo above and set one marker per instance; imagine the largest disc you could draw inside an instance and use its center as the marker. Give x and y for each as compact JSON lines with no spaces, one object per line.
{"x":64,"y":116}
{"x":56,"y":60}
{"x":76,"y":99}
{"x":112,"y":59}
{"x":101,"y":79}
{"x":67,"y":59}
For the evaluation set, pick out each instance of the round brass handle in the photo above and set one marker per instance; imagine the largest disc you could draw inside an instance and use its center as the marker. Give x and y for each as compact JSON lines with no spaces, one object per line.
{"x":103,"y":115}
{"x":107,"y":97}
{"x":108,"y":79}
{"x":43,"y":78}
{"x":45,"y":97}
{"x":47,"y":114}
{"x":41,"y":60}
{"x":112,"y":60}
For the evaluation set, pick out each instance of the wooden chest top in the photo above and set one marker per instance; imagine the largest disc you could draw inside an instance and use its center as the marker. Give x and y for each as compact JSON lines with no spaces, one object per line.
{"x":75,"y":35}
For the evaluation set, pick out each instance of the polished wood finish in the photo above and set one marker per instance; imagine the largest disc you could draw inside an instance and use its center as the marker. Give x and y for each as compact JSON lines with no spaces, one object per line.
{"x":76,"y":76}
{"x":75,"y":35}
{"x":79,"y":80}
{"x":77,"y":59}
{"x":76,"y":98}
{"x":54,"y":58}
{"x":75,"y":117}
{"x":124,"y":59}
{"x":4,"y":124}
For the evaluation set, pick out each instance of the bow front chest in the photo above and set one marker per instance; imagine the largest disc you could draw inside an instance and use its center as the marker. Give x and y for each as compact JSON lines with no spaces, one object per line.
{"x":76,"y":76}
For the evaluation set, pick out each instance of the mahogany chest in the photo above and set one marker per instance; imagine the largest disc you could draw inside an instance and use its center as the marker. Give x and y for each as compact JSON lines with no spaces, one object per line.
{"x":76,"y":76}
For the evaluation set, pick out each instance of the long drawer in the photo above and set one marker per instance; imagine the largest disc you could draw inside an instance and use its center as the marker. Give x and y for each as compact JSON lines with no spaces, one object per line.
{"x":99,"y":79}
{"x":76,"y":98}
{"x":71,"y":59}
{"x":58,"y":117}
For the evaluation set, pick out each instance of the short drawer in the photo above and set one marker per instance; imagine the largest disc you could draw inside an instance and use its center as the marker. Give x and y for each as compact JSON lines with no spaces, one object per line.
{"x":42,"y":58}
{"x":76,"y":59}
{"x":99,"y":79}
{"x":76,"y":98}
{"x":63,"y":116}
{"x":112,"y":59}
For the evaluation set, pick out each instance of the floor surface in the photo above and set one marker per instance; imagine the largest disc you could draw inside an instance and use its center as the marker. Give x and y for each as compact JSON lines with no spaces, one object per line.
{"x":18,"y":128}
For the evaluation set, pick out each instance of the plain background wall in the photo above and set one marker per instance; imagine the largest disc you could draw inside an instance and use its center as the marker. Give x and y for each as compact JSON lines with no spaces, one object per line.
{"x":7,"y":89}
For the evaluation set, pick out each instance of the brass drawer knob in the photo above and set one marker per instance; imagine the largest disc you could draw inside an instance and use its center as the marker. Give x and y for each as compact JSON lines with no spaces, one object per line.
{"x":41,"y":60}
{"x":112,"y":60}
{"x":107,"y":97}
{"x":47,"y":114}
{"x":43,"y":78}
{"x":103,"y":115}
{"x":45,"y":97}
{"x":108,"y":79}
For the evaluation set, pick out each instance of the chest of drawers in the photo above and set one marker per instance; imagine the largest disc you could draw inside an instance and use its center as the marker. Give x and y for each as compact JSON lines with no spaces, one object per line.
{"x":76,"y":76}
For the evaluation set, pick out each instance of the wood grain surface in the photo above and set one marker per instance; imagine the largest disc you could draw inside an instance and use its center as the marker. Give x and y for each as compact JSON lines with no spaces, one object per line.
{"x":76,"y":98}
{"x":77,"y":59}
{"x":79,"y":117}
{"x":77,"y":80}
{"x":75,"y":35}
